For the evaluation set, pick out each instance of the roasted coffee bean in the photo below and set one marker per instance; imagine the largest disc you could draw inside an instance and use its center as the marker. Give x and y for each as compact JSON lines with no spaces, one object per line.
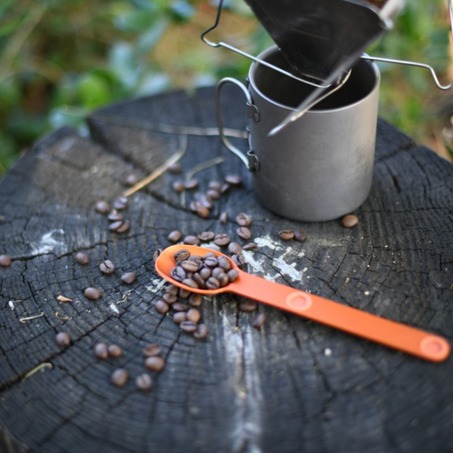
{"x":215,"y":185}
{"x":191,"y":240}
{"x":172,"y":289}
{"x":286,"y":235}
{"x":201,"y":333}
{"x":189,"y":265}
{"x":233,"y":274}
{"x":82,"y":258}
{"x":179,"y":317}
{"x":206,"y":236}
{"x":247,"y":305}
{"x":239,"y":260}
{"x":200,"y":281}
{"x":212,"y":194}
{"x":92,"y":293}
{"x":191,"y":184}
{"x":206,"y":202}
{"x":119,"y":377}
{"x":156,"y":254}
{"x":181,"y":255}
{"x":120,"y":203}
{"x":5,"y":261}
{"x":101,"y":351}
{"x":249,"y":246}
{"x":224,"y":263}
{"x":243,"y":219}
{"x":178,"y":186}
{"x":190,"y":282}
{"x":184,"y":293}
{"x":259,"y":321}
{"x":131,"y":179}
{"x":217,"y":271}
{"x":212,"y":283}
{"x":152,"y":350}
{"x":144,"y":382}
{"x":115,"y":225}
{"x":188,"y":326}
{"x":211,"y":261}
{"x":175,"y":169}
{"x":63,"y":339}
{"x":162,"y":307}
{"x":170,"y":298}
{"x":201,"y":210}
{"x":155,"y":363}
{"x":225,"y":188}
{"x":222,"y":239}
{"x":178,"y":273}
{"x":114,"y":351}
{"x":233,"y":179}
{"x":102,"y":207}
{"x":223,"y":218}
{"x":129,"y":277}
{"x":234,"y":248}
{"x":350,"y":221}
{"x":174,"y":236}
{"x":205,"y":273}
{"x":107,"y":267}
{"x":223,"y":279}
{"x":244,"y":233}
{"x":180,"y":306}
{"x":300,"y":235}
{"x":193,"y":315}
{"x":195,"y":300}
{"x":115,"y":216}
{"x":124,"y":227}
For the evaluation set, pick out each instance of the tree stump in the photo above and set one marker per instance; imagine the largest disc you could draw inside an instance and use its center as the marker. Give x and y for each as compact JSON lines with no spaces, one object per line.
{"x":292,"y":385}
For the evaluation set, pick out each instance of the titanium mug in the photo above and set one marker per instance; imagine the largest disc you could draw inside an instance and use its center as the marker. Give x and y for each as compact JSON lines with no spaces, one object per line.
{"x":320,"y":166}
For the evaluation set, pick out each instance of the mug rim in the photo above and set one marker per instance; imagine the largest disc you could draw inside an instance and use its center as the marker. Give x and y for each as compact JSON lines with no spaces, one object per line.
{"x":274,"y":49}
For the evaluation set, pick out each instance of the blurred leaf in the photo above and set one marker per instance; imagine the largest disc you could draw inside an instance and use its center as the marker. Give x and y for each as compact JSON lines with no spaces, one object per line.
{"x":93,"y":90}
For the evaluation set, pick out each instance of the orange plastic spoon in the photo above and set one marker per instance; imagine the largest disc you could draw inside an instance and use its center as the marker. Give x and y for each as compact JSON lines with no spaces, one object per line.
{"x":352,"y":320}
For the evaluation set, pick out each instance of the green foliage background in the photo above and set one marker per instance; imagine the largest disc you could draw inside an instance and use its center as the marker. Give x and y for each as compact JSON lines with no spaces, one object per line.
{"x":60,"y":59}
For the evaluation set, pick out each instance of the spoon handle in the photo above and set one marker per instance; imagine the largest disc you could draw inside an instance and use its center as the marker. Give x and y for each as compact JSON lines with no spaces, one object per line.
{"x":352,"y":320}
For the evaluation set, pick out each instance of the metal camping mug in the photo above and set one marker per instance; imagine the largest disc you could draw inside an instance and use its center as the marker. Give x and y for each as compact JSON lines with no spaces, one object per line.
{"x":320,"y":166}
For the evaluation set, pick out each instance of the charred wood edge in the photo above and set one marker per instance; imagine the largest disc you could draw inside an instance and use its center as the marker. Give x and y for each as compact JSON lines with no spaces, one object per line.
{"x":8,"y":444}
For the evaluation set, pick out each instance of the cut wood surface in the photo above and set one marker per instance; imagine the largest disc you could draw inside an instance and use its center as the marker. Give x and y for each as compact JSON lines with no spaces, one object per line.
{"x":291,"y":386}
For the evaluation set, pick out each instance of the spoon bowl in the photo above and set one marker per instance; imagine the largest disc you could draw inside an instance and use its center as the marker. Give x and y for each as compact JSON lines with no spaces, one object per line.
{"x":334,"y":314}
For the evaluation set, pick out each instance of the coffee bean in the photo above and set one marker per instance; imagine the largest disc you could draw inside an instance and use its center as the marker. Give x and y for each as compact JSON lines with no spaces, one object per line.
{"x":212,"y":283}
{"x":193,"y":315}
{"x":175,"y":169}
{"x":201,"y":333}
{"x":152,"y":350}
{"x":102,"y":207}
{"x":249,"y":246}
{"x":350,"y":221}
{"x":247,"y":305}
{"x":286,"y":235}
{"x":184,"y":293}
{"x":195,"y":300}
{"x":124,"y":227}
{"x":82,"y":258}
{"x":172,"y":289}
{"x":233,"y":179}
{"x":181,"y":255}
{"x":114,"y":351}
{"x":224,"y":263}
{"x":191,"y":240}
{"x":155,"y":363}
{"x":131,"y":179}
{"x":239,"y":260}
{"x":259,"y":321}
{"x":244,"y":233}
{"x":234,"y":248}
{"x":216,"y":272}
{"x":190,"y":282}
{"x":156,"y":254}
{"x":170,"y":298}
{"x":174,"y":236}
{"x":162,"y":307}
{"x":179,"y":306}
{"x":107,"y":267}
{"x":300,"y":235}
{"x":115,"y":225}
{"x":101,"y":351}
{"x":120,"y":203}
{"x":189,"y":265}
{"x":129,"y":277}
{"x":232,"y":274}
{"x":225,"y":187}
{"x":206,"y":236}
{"x":63,"y":339}
{"x":191,"y":184}
{"x":92,"y":293}
{"x":188,"y":326}
{"x":211,"y":261}
{"x":222,"y":239}
{"x":205,"y":273}
{"x":179,"y":317}
{"x":215,"y":185}
{"x":119,"y":377}
{"x":199,"y":280}
{"x":243,"y":219}
{"x":178,"y":186}
{"x":212,"y":194}
{"x":115,"y":216}
{"x":223,"y":218}
{"x":178,"y":273}
{"x":144,"y":382}
{"x":201,"y":210}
